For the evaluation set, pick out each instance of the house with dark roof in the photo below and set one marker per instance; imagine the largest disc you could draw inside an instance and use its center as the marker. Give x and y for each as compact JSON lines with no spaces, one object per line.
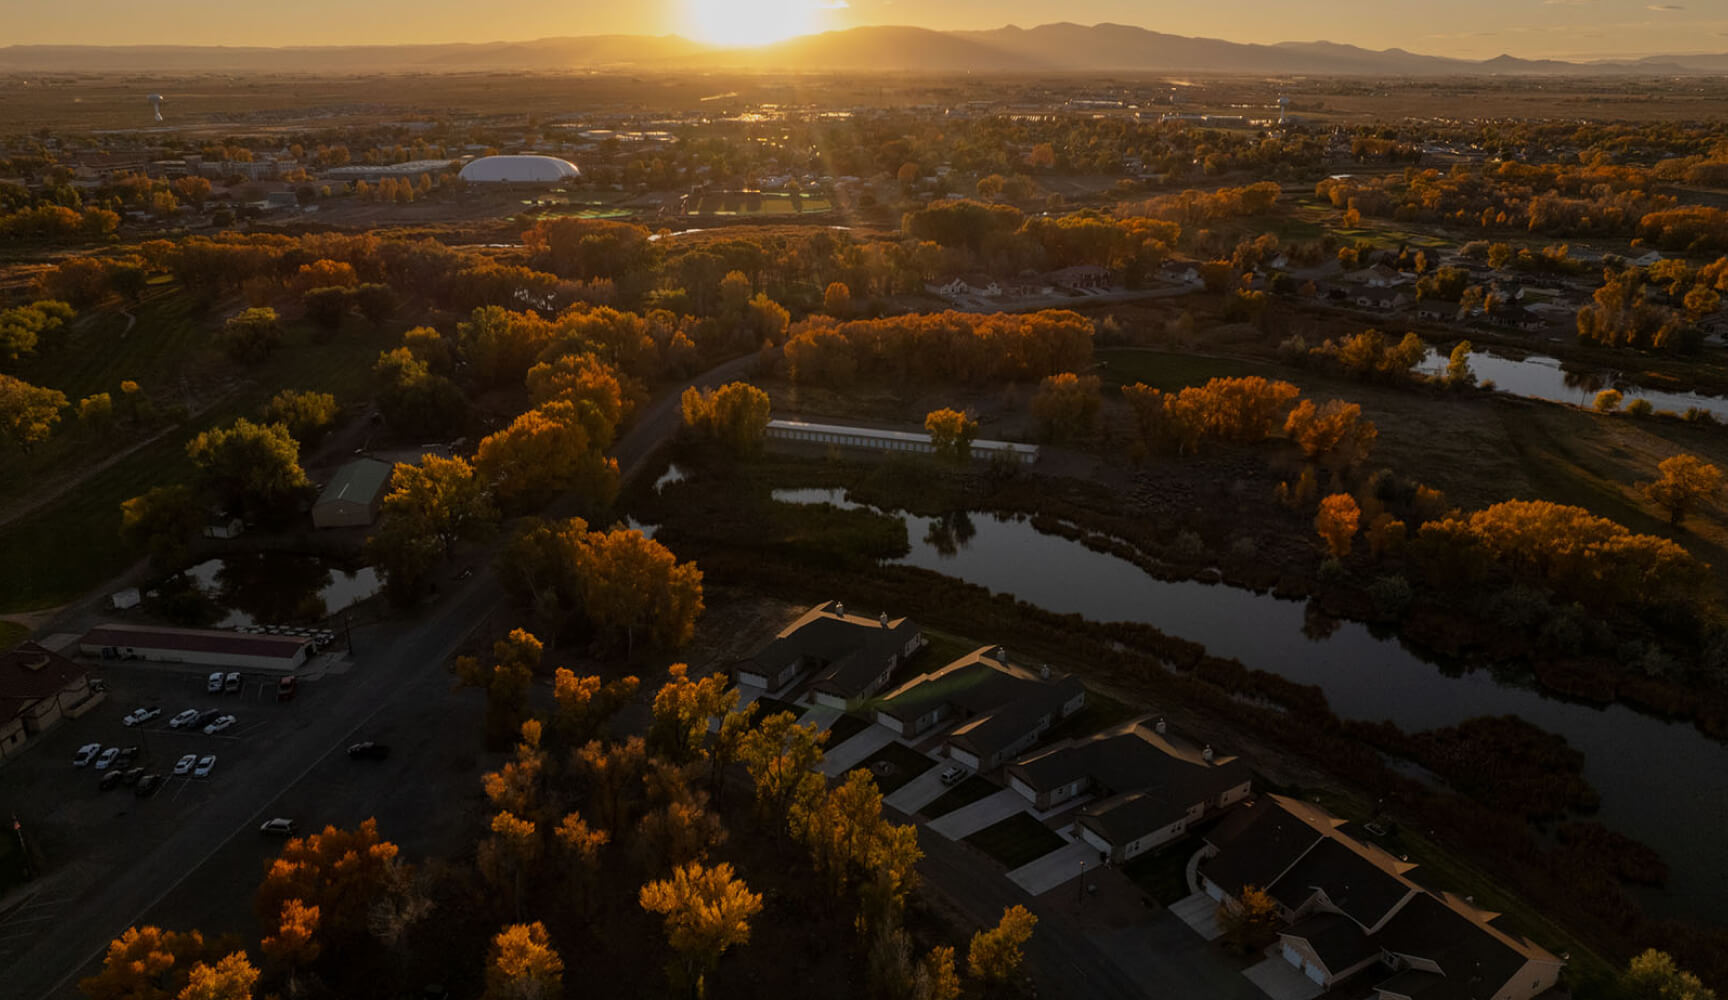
{"x":1352,"y":910}
{"x":38,"y":688}
{"x":354,"y":495}
{"x":848,"y":657}
{"x":1151,"y":785}
{"x":1002,"y":707}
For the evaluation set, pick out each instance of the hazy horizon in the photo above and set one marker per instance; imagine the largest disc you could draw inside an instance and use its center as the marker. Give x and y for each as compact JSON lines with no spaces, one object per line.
{"x":1473,"y":29}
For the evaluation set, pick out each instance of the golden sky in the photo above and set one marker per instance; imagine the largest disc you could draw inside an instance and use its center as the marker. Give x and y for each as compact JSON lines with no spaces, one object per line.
{"x":1466,"y":28}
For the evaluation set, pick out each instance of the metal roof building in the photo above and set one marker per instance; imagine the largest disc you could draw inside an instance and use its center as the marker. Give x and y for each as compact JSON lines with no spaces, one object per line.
{"x":209,"y":647}
{"x":353,"y":497}
{"x":880,"y":440}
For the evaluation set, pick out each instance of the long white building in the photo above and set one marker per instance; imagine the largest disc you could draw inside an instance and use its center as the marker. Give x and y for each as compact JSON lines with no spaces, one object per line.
{"x":879,"y":440}
{"x":208,"y":647}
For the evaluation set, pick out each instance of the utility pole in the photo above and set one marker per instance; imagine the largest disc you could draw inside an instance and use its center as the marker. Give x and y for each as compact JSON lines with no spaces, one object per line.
{"x":1082,"y":886}
{"x":23,"y":851}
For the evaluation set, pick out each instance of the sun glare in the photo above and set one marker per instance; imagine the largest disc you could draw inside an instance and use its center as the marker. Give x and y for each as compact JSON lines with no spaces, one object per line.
{"x":753,"y":22}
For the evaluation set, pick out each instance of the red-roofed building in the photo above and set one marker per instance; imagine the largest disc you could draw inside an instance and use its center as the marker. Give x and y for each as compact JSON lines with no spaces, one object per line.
{"x":207,"y":647}
{"x":38,"y":688}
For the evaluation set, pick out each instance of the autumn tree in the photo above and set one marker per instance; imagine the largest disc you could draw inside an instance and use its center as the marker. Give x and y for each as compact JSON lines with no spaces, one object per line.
{"x":591,"y":386}
{"x":683,"y":709}
{"x":578,"y":849}
{"x":162,"y":521}
{"x":505,"y":680}
{"x":612,"y":775}
{"x":327,"y":307}
{"x":1686,"y":483}
{"x":584,"y":704}
{"x":1336,"y":523}
{"x":307,"y":415}
{"x":1607,"y":401}
{"x":96,"y":411}
{"x":254,"y":466}
{"x":231,"y":978}
{"x":1334,"y":435}
{"x":509,"y":854}
{"x":1653,"y":975}
{"x":1458,"y":373}
{"x":1067,"y":405}
{"x":736,"y":414}
{"x":936,"y":978}
{"x":28,"y":413}
{"x":995,"y":955}
{"x":524,"y":965}
{"x":617,"y":579}
{"x":545,"y":452}
{"x":376,"y":302}
{"x":951,"y":433}
{"x":707,"y":911}
{"x":149,"y":963}
{"x":1252,"y":921}
{"x":440,"y":499}
{"x":837,"y":300}
{"x":678,"y":828}
{"x":292,"y":938}
{"x":781,"y":757}
{"x":21,"y":327}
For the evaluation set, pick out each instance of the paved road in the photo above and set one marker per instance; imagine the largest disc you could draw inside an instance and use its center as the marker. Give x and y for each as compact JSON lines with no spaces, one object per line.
{"x":400,"y":666}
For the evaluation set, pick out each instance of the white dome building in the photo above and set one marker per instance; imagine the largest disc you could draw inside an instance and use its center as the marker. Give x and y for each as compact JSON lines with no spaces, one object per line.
{"x":520,"y":170}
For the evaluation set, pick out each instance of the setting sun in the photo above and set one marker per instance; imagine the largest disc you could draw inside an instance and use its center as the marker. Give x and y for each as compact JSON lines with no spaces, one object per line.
{"x":753,"y":22}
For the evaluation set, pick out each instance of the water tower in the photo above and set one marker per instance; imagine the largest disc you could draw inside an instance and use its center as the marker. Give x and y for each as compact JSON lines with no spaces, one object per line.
{"x":1283,"y":108}
{"x":156,"y":105}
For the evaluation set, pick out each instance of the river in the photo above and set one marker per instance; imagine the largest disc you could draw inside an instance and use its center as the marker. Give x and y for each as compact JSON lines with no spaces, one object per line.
{"x":1539,"y":376}
{"x":1663,"y":783}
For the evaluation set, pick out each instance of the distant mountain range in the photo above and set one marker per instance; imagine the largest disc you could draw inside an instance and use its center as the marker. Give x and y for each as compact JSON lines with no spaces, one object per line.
{"x":1050,"y":48}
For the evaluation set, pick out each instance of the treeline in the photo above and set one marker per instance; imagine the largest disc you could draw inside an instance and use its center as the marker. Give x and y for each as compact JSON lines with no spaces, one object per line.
{"x":1554,"y":199}
{"x":945,"y":346}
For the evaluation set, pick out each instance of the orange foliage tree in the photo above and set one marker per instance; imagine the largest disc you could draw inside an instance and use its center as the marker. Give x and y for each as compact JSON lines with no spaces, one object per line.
{"x":1336,"y":522}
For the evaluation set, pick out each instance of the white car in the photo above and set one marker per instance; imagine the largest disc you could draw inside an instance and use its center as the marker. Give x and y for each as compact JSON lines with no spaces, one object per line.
{"x":140,"y":716}
{"x":107,"y":758}
{"x":278,"y":826}
{"x":215,"y":684}
{"x":953,"y":776}
{"x":185,"y":764}
{"x":222,"y":722}
{"x":184,"y":719}
{"x":85,"y":754}
{"x":205,"y":763}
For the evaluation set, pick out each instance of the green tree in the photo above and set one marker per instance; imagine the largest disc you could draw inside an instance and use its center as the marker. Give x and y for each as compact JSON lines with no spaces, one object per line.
{"x":327,"y":307}
{"x":1652,"y":975}
{"x":252,"y":335}
{"x":162,"y":521}
{"x":376,"y":302}
{"x":307,"y":415}
{"x":21,"y":327}
{"x":995,"y":955}
{"x":255,"y":466}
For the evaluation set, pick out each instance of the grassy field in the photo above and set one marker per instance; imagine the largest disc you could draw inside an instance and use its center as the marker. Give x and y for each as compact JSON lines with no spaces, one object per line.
{"x":71,"y":544}
{"x":758,"y":203}
{"x":1020,"y":839}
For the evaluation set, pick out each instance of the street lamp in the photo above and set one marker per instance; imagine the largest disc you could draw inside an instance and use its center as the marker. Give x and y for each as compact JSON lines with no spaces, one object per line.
{"x":1082,"y":884}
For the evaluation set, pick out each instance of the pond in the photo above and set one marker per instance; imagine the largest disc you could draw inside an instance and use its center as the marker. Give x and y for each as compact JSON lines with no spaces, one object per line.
{"x":1663,"y":783}
{"x":1539,"y":376}
{"x":276,"y":588}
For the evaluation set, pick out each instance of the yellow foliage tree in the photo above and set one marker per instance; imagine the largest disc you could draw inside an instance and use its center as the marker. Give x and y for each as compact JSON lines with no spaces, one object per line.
{"x":995,"y":955}
{"x":524,"y":965}
{"x":951,"y":433}
{"x":1336,"y":522}
{"x":1686,"y":482}
{"x":707,"y":911}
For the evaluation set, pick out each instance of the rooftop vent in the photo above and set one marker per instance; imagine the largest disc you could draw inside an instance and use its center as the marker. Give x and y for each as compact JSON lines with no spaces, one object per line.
{"x":1207,"y":753}
{"x":1160,"y":726}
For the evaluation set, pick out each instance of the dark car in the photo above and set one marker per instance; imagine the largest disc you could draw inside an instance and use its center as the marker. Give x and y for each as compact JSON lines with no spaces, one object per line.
{"x":368,"y":751}
{"x":147,"y":785}
{"x":109,"y":779}
{"x":124,"y":761}
{"x":285,"y":689}
{"x":131,"y":777}
{"x":205,"y":718}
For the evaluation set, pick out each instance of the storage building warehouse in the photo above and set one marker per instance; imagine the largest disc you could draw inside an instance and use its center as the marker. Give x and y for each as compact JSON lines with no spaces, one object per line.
{"x":353,"y":497}
{"x":208,"y":647}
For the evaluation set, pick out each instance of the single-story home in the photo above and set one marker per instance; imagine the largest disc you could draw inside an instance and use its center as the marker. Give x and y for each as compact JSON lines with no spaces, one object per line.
{"x":38,"y":688}
{"x":1003,"y":707}
{"x":850,"y":657}
{"x":1151,"y":785}
{"x":1080,"y":276}
{"x":1351,"y":910}
{"x":1379,"y":299}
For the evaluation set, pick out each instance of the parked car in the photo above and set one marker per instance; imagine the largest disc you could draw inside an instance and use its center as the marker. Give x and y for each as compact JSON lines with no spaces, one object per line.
{"x":279,"y":827}
{"x":369,"y":751}
{"x":215,"y":684}
{"x":184,"y":719}
{"x":206,"y":717}
{"x":140,"y":716}
{"x":285,"y":688}
{"x":86,"y":754}
{"x":205,"y":763}
{"x":232,"y":682}
{"x":103,"y":762}
{"x":131,"y":777}
{"x":109,"y":780}
{"x":220,"y":723}
{"x":953,"y":776}
{"x":124,"y":761}
{"x":185,"y":764}
{"x":147,"y":785}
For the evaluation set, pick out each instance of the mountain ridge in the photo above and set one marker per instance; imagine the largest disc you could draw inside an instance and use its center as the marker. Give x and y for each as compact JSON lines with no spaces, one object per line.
{"x":1059,"y":47}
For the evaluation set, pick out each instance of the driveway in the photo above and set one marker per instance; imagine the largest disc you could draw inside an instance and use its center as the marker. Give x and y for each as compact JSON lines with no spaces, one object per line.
{"x":1200,"y":912}
{"x":1165,"y":952}
{"x":850,"y":754}
{"x":1280,"y":980}
{"x":917,"y":793}
{"x":1054,"y":869}
{"x":967,"y":820}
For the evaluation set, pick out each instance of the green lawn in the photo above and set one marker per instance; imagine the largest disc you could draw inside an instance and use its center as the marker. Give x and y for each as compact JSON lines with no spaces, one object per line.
{"x":72,"y":544}
{"x":11,"y":634}
{"x":963,"y":794}
{"x":1099,"y":713}
{"x":894,"y":765}
{"x":1162,"y":874}
{"x":1020,"y":839}
{"x":769,"y":203}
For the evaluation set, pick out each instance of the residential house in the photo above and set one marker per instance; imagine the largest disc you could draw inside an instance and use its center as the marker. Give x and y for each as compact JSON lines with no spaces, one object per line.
{"x":1081,"y":276}
{"x":38,"y":688}
{"x":849,"y":657}
{"x":1180,"y":272}
{"x":1151,"y":784}
{"x":1351,"y":910}
{"x":1436,"y":310}
{"x":1379,"y":299}
{"x":1002,"y":707}
{"x":1378,"y":276}
{"x":979,"y":285}
{"x":1026,"y":285}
